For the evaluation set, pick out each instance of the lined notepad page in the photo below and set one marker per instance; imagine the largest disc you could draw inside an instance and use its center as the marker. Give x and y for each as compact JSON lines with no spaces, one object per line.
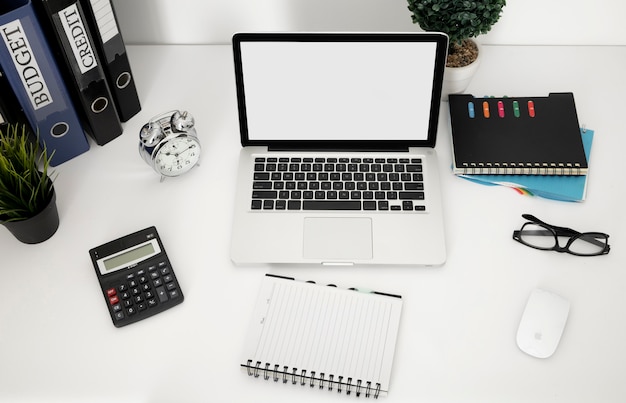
{"x":322,"y":336}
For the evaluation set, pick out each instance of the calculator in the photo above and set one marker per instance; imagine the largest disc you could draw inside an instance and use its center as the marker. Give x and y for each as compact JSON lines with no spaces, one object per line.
{"x":136,"y":277}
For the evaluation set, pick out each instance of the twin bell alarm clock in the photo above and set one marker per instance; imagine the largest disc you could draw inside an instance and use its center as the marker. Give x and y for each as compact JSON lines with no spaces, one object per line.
{"x":169,"y":143}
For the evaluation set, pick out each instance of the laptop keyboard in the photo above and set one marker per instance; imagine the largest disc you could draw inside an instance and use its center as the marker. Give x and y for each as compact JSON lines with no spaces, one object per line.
{"x":360,"y":184}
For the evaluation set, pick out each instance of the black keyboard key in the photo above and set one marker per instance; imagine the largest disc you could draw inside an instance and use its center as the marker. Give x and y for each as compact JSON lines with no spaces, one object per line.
{"x":261,"y":176}
{"x":331,"y":205}
{"x":256,"y":204}
{"x":261,"y":185}
{"x":264,"y":194}
{"x":414,"y":168}
{"x":294,"y":205}
{"x":369,"y":205}
{"x":413,"y":186}
{"x":411,"y":195}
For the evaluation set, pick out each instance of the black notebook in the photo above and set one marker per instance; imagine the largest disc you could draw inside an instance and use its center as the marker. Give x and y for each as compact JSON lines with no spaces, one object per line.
{"x":516,"y":136}
{"x":323,"y":337}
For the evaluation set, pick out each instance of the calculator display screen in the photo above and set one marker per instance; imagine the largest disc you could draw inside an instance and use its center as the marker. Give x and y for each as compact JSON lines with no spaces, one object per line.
{"x":128,"y":257}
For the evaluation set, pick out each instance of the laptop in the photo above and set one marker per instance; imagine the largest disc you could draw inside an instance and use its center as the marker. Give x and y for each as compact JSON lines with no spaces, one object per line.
{"x":338,"y":165}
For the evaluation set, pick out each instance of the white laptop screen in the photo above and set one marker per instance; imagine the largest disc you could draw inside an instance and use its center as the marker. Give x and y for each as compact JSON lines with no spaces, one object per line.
{"x":351,"y":88}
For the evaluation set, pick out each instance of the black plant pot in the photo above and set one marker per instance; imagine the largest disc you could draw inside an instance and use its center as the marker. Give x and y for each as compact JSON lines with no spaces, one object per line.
{"x":39,"y":227}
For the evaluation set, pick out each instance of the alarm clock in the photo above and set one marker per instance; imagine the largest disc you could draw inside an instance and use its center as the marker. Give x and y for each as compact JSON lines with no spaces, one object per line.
{"x":169,"y":143}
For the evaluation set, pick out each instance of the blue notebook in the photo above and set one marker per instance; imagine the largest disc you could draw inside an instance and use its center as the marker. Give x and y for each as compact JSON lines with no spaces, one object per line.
{"x":563,"y":188}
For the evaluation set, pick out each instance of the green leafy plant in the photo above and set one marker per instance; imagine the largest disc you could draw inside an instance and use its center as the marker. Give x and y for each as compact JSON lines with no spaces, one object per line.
{"x":459,"y":19}
{"x":25,"y":186}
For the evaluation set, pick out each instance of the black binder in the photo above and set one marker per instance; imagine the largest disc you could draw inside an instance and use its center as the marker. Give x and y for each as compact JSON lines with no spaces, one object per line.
{"x":74,"y":47}
{"x":102,"y":21}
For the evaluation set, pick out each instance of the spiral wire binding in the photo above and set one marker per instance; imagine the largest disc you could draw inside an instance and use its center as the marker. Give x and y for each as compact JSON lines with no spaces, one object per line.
{"x":329,"y":382}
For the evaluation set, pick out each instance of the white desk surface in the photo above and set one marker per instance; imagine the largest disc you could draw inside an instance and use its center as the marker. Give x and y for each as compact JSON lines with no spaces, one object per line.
{"x":458,"y":326}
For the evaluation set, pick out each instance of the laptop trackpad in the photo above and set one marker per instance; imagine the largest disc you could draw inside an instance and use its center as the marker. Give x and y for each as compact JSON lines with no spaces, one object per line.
{"x":333,"y":238}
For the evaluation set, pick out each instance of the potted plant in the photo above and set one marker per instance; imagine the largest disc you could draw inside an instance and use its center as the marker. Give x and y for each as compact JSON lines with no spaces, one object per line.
{"x":27,"y":198}
{"x":460,"y":20}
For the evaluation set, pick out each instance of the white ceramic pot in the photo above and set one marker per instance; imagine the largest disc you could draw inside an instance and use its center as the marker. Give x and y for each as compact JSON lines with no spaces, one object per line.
{"x":456,"y":79}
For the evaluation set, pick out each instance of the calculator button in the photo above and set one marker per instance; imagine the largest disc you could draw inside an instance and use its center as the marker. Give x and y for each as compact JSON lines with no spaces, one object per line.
{"x":168,"y":278}
{"x":119,"y":315}
{"x":111,"y":292}
{"x":152,"y":303}
{"x":162,"y":294}
{"x":174,"y":294}
{"x":117,"y":307}
{"x":131,"y":311}
{"x":133,"y":283}
{"x":122,"y":287}
{"x":114,"y":300}
{"x":158,"y":282}
{"x":154,"y":274}
{"x":143,"y":306}
{"x":170,"y":286}
{"x":165,"y":270}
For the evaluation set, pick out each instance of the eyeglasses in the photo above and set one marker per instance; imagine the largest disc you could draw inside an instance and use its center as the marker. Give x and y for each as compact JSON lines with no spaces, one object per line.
{"x":540,"y":235}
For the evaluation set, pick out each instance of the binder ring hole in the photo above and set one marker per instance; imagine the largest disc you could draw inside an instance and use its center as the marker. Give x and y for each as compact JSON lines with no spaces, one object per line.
{"x":123,"y":80}
{"x":99,"y":104}
{"x":59,"y":130}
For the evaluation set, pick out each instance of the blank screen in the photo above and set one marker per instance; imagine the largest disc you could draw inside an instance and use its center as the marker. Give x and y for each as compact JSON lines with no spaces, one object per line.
{"x":338,"y":90}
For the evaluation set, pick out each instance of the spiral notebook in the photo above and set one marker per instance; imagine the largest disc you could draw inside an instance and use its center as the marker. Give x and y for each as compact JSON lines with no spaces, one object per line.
{"x":516,"y":135}
{"x":323,"y":337}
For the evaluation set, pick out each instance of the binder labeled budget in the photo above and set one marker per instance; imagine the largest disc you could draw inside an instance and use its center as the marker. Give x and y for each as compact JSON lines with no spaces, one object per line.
{"x":73,"y":43}
{"x":112,"y":50}
{"x":35,"y":78}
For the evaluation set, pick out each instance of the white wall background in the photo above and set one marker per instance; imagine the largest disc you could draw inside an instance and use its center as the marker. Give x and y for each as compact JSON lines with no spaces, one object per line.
{"x":563,"y":22}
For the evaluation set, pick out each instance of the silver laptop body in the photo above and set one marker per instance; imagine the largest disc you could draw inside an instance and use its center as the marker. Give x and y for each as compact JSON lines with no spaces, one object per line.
{"x":355,"y":106}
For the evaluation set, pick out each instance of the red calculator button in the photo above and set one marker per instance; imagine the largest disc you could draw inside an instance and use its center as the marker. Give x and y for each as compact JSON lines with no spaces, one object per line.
{"x":114,"y":300}
{"x":111,"y":292}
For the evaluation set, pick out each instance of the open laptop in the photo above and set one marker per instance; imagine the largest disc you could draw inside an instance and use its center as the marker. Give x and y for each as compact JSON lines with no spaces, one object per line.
{"x":322,"y":117}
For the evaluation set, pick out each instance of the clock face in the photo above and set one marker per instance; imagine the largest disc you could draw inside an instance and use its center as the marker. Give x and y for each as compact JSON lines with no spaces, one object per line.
{"x":177,"y":156}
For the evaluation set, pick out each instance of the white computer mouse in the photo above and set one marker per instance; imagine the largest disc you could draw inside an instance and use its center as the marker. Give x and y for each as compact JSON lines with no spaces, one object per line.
{"x":542,"y":323}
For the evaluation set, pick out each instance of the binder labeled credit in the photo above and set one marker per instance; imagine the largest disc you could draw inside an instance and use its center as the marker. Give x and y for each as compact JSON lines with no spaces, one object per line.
{"x":75,"y":50}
